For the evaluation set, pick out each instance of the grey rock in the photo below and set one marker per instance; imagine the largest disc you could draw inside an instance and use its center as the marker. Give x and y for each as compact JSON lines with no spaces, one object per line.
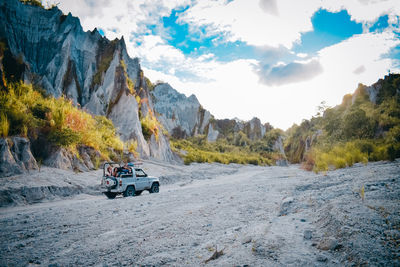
{"x":328,"y":244}
{"x":65,"y":60}
{"x":8,"y":165}
{"x":84,"y":153}
{"x":254,"y":129}
{"x":307,"y":234}
{"x":176,"y":111}
{"x":212,"y":134}
{"x":22,"y":153}
{"x":15,"y":156}
{"x":246,"y":239}
{"x":282,"y":162}
{"x":60,"y":159}
{"x":285,"y":206}
{"x":322,"y":258}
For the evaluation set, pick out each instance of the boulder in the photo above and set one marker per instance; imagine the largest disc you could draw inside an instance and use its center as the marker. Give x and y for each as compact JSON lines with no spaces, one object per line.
{"x":282,"y":162}
{"x":22,"y":153}
{"x":307,"y":234}
{"x":15,"y":156}
{"x":329,"y":244}
{"x":286,"y":206}
{"x":60,"y":159}
{"x":8,"y":165}
{"x":63,"y":159}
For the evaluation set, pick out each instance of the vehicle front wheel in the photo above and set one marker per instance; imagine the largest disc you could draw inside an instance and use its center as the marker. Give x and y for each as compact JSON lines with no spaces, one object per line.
{"x":129,"y":192}
{"x":110,"y":195}
{"x":155,"y":188}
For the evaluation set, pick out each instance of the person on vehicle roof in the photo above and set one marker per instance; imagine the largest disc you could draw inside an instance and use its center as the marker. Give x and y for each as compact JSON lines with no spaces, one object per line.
{"x":126,"y":168}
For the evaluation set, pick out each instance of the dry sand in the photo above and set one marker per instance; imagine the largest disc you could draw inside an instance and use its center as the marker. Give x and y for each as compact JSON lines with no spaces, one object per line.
{"x":259,"y":216}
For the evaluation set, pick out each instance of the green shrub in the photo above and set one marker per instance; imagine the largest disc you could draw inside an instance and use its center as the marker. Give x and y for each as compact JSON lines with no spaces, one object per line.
{"x":355,"y":131}
{"x":197,"y":149}
{"x":64,"y":137}
{"x":4,"y":125}
{"x":32,"y":3}
{"x":28,"y":112}
{"x":339,"y":156}
{"x":40,"y":111}
{"x":150,"y":126}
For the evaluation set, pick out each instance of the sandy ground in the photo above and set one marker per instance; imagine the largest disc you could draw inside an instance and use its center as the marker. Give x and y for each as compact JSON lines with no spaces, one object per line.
{"x":258,"y":216}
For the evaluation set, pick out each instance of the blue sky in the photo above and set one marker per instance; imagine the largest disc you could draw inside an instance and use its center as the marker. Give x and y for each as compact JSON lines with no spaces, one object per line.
{"x":259,"y":56}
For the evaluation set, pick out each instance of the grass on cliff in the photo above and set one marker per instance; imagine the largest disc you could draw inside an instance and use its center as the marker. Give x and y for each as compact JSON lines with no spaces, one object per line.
{"x":25,"y":111}
{"x":198,"y":149}
{"x":32,"y":3}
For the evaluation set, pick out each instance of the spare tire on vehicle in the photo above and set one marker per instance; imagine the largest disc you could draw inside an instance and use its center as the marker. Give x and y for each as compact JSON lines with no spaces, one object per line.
{"x":111,"y":182}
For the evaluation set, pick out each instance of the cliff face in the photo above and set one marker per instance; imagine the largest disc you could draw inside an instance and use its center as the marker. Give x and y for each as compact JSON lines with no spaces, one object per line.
{"x":184,"y":116}
{"x":181,"y":116}
{"x":253,"y":129}
{"x":92,"y":71}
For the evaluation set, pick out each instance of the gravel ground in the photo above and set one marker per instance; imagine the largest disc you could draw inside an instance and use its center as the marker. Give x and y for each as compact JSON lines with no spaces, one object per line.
{"x":258,"y":216}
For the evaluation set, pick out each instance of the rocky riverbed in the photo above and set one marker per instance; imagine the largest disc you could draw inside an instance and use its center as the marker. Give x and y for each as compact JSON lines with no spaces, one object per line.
{"x":257,"y":216}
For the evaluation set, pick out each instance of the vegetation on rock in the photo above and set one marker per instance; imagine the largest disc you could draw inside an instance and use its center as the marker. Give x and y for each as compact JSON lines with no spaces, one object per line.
{"x":25,"y":111}
{"x":150,"y":126}
{"x":358,"y":130}
{"x":235,"y":149}
{"x":33,"y":3}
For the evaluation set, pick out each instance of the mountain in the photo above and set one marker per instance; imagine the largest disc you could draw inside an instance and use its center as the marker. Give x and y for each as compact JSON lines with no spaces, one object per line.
{"x":364,"y":127}
{"x":97,"y":74}
{"x":181,"y":116}
{"x":184,"y":117}
{"x":50,"y":50}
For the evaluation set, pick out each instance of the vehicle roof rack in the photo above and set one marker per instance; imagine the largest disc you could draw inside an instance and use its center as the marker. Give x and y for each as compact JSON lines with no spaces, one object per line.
{"x":136,"y":163}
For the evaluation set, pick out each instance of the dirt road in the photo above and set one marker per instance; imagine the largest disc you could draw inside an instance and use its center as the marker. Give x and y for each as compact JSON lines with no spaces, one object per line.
{"x":259,"y":216}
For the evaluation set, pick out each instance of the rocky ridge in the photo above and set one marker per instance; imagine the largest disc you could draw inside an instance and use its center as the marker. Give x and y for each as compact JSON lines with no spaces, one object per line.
{"x":54,"y":52}
{"x":184,"y":116}
{"x":181,"y":116}
{"x":89,"y":69}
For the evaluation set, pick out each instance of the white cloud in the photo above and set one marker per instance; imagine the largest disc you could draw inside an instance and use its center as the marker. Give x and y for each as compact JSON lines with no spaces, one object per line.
{"x":120,"y":18}
{"x":247,"y":20}
{"x":363,"y":10}
{"x":302,"y":55}
{"x":232,"y":89}
{"x":154,"y":50}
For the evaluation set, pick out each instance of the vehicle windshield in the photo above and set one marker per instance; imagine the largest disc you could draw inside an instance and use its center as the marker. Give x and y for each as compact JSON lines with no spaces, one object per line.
{"x":140,"y":173}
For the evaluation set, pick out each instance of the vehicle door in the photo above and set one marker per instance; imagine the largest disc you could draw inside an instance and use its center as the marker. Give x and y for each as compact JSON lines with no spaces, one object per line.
{"x":127,"y":179}
{"x":141,"y":180}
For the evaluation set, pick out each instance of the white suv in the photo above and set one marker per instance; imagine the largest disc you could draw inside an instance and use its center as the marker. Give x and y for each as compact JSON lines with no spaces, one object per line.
{"x":129,"y":181}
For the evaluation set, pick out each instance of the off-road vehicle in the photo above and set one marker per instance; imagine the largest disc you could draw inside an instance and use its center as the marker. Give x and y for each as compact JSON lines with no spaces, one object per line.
{"x":129,"y":180}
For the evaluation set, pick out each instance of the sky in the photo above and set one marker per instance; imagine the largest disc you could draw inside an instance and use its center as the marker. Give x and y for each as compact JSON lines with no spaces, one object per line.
{"x":272,"y":59}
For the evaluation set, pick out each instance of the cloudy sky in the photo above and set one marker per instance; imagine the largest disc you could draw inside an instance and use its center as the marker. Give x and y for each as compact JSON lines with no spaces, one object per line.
{"x":273,"y":59}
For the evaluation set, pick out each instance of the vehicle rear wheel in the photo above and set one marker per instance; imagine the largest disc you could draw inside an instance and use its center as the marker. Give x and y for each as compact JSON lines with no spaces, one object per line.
{"x":110,"y":195}
{"x":129,"y":192}
{"x":155,"y":188}
{"x":137,"y":193}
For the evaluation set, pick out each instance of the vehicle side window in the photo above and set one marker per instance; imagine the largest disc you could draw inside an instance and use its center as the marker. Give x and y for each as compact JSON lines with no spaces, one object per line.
{"x":140,"y":173}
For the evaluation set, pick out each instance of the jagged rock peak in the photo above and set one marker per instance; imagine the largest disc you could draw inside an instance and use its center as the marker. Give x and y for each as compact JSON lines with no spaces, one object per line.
{"x":89,"y":69}
{"x":180,"y":115}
